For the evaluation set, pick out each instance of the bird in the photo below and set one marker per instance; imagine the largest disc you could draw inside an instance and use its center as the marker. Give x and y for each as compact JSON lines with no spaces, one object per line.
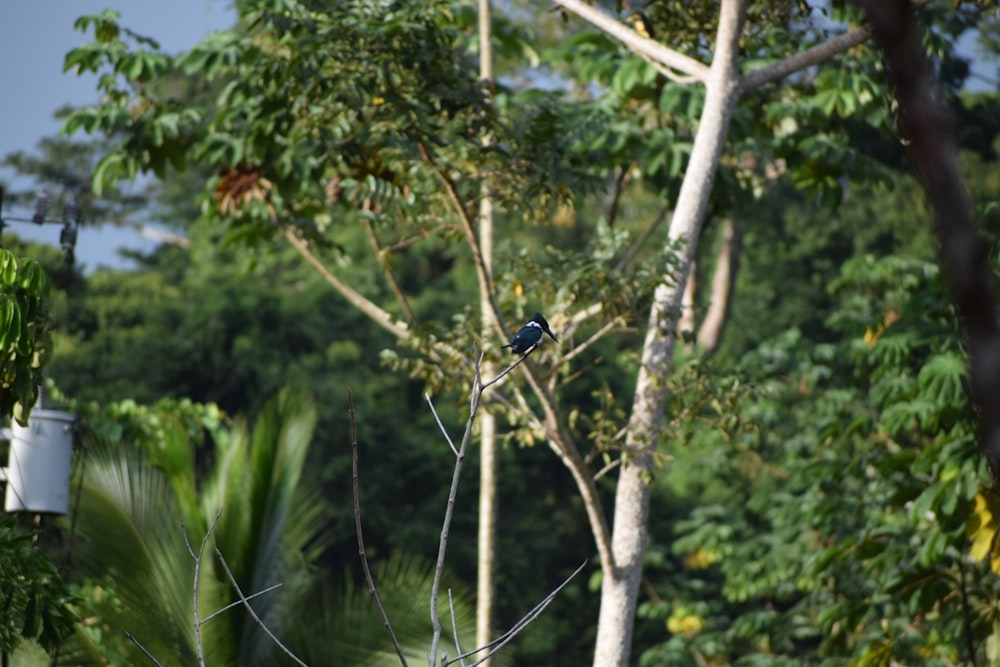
{"x":529,"y":335}
{"x":642,"y":25}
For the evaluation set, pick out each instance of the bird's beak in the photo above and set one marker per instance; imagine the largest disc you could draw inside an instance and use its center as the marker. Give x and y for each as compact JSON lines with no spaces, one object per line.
{"x":551,"y":335}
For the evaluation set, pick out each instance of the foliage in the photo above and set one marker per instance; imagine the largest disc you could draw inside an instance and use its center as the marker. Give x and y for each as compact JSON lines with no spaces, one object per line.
{"x":25,"y":333}
{"x":820,"y":478}
{"x":34,"y":601}
{"x":845,"y":538}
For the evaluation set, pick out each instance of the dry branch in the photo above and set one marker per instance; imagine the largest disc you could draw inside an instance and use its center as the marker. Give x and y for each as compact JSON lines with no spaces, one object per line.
{"x":246,"y":603}
{"x":197,"y":578}
{"x":361,"y":539}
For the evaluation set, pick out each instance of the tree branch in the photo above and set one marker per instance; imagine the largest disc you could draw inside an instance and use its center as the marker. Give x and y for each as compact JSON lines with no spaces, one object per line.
{"x":355,"y":298}
{"x":624,"y":264}
{"x":129,"y":636}
{"x":635,"y":42}
{"x":503,"y":639}
{"x":812,"y":56}
{"x":382,"y":257}
{"x":439,"y":350}
{"x":197,"y":578}
{"x":360,"y":534}
{"x":475,"y":396}
{"x":726,"y":266}
{"x":253,"y":614}
{"x":454,"y":628}
{"x":803,"y":59}
{"x":482,"y":270}
{"x":597,"y":335}
{"x":239,"y":602}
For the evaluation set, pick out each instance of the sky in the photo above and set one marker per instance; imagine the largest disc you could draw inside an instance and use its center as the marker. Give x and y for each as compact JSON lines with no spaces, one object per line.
{"x":34,"y":38}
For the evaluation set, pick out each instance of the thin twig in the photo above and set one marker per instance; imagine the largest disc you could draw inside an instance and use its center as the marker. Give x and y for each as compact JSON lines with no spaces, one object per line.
{"x":131,"y":638}
{"x":238,"y":603}
{"x":444,"y":431}
{"x":482,"y":270}
{"x":507,"y":370}
{"x":600,"y":333}
{"x":197,"y":580}
{"x":382,"y":257}
{"x":606,"y":469}
{"x":503,"y":639}
{"x":361,"y":539}
{"x":253,"y":614}
{"x":454,"y":628}
{"x":474,"y":400}
{"x":626,"y":260}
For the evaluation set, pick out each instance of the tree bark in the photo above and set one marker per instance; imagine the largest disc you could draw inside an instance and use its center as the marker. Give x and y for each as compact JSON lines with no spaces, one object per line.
{"x":726,"y":264}
{"x":688,"y":323}
{"x":619,"y":592}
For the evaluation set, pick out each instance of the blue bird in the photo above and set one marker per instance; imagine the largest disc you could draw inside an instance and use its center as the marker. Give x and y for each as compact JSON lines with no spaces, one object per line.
{"x":529,"y":335}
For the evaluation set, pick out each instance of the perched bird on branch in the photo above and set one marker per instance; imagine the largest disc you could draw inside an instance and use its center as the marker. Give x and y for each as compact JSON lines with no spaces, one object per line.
{"x":529,"y":335}
{"x":642,"y":25}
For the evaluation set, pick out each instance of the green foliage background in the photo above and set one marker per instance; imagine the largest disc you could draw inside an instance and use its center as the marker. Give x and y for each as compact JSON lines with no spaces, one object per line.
{"x":820,"y":481}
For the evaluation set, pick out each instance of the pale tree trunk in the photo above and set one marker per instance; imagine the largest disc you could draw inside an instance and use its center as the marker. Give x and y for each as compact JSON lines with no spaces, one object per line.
{"x":487,"y":422}
{"x":687,"y":323}
{"x":619,"y":592}
{"x":710,"y":332}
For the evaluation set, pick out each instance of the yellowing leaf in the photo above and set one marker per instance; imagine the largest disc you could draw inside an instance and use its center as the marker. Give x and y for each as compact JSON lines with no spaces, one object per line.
{"x":681,"y":622}
{"x":700,"y":559}
{"x":982,"y":527}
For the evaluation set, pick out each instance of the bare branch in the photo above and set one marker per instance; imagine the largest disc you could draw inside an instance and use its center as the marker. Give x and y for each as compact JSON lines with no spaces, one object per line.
{"x":355,"y":298}
{"x":444,"y":431}
{"x":624,"y":264}
{"x":238,"y":603}
{"x":167,"y":238}
{"x":606,"y":469}
{"x":474,"y":399}
{"x":197,"y":579}
{"x":596,"y":336}
{"x":382,"y":257}
{"x":813,"y":56}
{"x":253,"y":614}
{"x":439,"y":349}
{"x":131,"y":638}
{"x":361,"y":539}
{"x":726,"y":265}
{"x":636,"y":42}
{"x":507,"y":370}
{"x":803,"y":59}
{"x":482,"y":270}
{"x":454,"y":628}
{"x":503,"y":639}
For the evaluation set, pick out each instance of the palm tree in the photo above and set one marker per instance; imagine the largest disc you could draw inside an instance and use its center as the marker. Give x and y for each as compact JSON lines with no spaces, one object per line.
{"x":269,"y":525}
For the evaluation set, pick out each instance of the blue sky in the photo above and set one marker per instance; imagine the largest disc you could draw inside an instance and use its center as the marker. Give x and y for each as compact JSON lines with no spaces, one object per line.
{"x":34,"y":38}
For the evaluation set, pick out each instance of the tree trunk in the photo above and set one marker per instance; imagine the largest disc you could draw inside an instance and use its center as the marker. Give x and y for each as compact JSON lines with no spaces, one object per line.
{"x":688,"y":323}
{"x":726,"y":265}
{"x":619,"y":593}
{"x":487,"y":423}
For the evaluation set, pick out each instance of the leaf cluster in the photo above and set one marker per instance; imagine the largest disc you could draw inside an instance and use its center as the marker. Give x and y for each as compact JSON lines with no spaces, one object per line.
{"x":25,"y":333}
{"x":35,"y":603}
